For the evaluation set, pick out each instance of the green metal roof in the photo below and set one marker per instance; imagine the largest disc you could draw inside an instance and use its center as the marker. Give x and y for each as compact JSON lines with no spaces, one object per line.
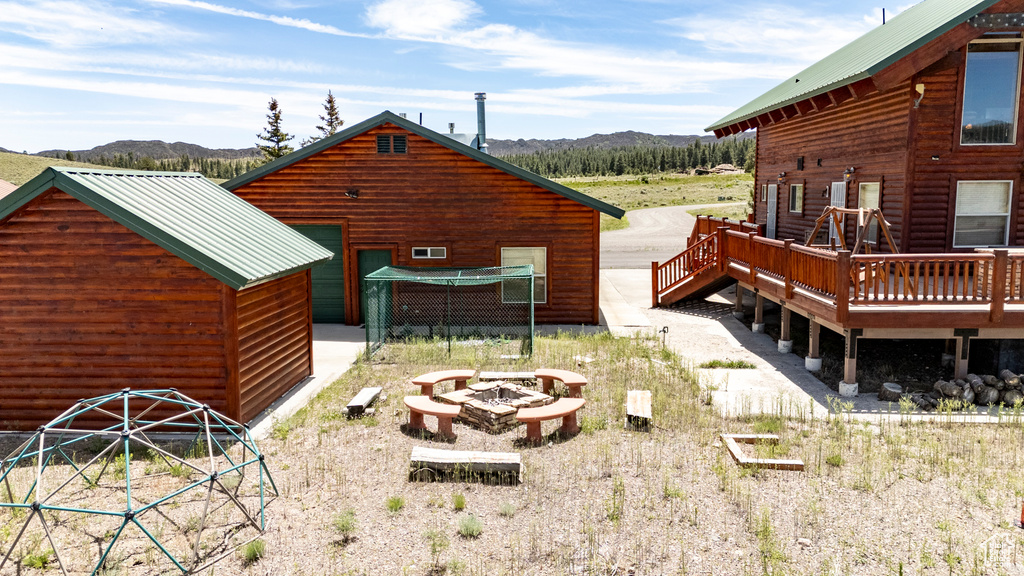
{"x":865,"y":56}
{"x":387,"y":117}
{"x":187,"y":215}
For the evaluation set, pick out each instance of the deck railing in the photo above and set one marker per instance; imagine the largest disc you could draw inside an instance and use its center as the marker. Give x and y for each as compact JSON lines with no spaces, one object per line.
{"x":838,"y":283}
{"x":709,"y":225}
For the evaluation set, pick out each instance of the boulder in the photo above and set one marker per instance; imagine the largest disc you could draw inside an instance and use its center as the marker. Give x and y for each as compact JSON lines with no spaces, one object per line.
{"x":1011,"y":397}
{"x":986,"y":396}
{"x":890,"y":392}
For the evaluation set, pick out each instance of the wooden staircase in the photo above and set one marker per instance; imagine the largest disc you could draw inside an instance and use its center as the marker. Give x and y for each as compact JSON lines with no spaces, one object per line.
{"x":698,"y":271}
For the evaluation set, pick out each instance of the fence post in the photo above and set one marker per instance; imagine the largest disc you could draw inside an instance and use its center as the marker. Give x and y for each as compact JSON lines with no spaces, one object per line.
{"x":750,"y":259}
{"x":786,"y":272}
{"x":654,"y":284}
{"x":720,"y":249}
{"x":998,"y":286}
{"x":842,"y":286}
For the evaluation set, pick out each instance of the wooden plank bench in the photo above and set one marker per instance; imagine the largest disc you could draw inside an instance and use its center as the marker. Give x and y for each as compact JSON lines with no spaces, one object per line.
{"x":564,"y":408}
{"x":423,"y":405}
{"x":573,"y":381}
{"x":358,"y":405}
{"x":427,"y":381}
{"x":638,"y":409}
{"x":517,"y":376}
{"x":434,"y":463}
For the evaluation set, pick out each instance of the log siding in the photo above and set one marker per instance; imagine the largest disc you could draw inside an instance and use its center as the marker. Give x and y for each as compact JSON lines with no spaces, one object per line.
{"x":435,"y":196}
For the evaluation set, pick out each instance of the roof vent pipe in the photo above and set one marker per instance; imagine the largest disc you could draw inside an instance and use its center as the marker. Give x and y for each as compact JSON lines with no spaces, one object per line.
{"x":481,"y":132}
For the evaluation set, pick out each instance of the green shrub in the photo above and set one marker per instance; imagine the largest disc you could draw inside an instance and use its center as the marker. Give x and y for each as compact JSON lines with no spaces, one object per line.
{"x":345,"y":524}
{"x":39,"y":560}
{"x":395,"y":504}
{"x":253,"y":551}
{"x":507,"y":509}
{"x":470,"y":526}
{"x":732,"y":364}
{"x":459,"y":501}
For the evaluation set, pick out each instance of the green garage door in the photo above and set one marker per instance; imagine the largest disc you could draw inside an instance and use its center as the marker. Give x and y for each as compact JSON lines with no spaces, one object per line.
{"x":329,"y":277}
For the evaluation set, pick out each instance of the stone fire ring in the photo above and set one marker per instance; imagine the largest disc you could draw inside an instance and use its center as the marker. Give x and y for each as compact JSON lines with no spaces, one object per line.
{"x":480,"y":409}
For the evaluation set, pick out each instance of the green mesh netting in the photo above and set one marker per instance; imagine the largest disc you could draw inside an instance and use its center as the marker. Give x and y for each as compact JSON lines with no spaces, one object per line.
{"x":454,"y":306}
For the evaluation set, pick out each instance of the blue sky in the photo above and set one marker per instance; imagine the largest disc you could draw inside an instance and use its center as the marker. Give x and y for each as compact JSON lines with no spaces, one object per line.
{"x":79,"y":73}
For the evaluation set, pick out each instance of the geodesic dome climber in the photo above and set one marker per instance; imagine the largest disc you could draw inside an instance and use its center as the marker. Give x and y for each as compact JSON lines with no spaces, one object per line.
{"x":135,"y":479}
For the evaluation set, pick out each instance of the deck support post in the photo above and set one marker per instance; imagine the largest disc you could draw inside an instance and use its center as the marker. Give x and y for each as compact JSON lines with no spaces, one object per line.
{"x":737,"y":310}
{"x":963,"y":350}
{"x":848,"y":387}
{"x":758,"y":325}
{"x":813,"y":360}
{"x":785,"y":340}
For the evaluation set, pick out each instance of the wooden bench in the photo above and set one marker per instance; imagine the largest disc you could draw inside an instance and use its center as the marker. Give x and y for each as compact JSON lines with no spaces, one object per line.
{"x":360,"y":405}
{"x":435,"y":463}
{"x":427,"y":381}
{"x":423,"y":405}
{"x":573,"y":381}
{"x":564,"y":408}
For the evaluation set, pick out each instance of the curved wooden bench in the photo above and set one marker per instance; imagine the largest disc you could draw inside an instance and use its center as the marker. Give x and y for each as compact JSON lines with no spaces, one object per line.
{"x":573,"y":381}
{"x":427,"y":381}
{"x":564,"y":408}
{"x":420,"y":405}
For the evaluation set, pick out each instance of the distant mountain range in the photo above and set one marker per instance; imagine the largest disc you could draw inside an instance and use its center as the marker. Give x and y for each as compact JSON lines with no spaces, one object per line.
{"x":160,"y":150}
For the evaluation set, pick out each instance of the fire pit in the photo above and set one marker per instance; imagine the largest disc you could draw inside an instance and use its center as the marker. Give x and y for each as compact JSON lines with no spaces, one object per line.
{"x":492,"y":406}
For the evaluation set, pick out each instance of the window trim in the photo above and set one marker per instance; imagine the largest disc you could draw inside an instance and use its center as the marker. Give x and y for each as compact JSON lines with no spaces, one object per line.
{"x":799,"y":197}
{"x":1016,"y":109}
{"x":1008,"y":213}
{"x":389,"y":139}
{"x":764,"y":192}
{"x":872,"y":236}
{"x":429,"y":249}
{"x":547,"y":283}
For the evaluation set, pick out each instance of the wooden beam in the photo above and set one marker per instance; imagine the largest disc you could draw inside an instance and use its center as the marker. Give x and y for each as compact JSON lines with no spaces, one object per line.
{"x":776,"y":115}
{"x":862,"y":88}
{"x":805,"y":107}
{"x":790,"y":111}
{"x":732,"y":443}
{"x":720,"y":133}
{"x":765,"y":119}
{"x":840,"y":95}
{"x":821,"y":101}
{"x":433,"y":463}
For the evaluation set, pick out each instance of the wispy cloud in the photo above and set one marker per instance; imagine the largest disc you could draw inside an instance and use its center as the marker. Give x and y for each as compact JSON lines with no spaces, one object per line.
{"x":420,"y":18}
{"x":280,"y":20}
{"x":781,"y":31}
{"x":83,"y":23}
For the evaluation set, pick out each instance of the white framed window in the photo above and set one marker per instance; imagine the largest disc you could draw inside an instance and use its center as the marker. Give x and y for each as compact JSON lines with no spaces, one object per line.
{"x":513,"y":291}
{"x":764,"y":192}
{"x":432,"y":253}
{"x":982,"y":213}
{"x":868,"y":197}
{"x":796,"y":198}
{"x":991,"y":91}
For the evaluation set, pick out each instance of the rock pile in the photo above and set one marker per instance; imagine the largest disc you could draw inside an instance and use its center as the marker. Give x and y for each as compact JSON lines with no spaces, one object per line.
{"x":985,"y":390}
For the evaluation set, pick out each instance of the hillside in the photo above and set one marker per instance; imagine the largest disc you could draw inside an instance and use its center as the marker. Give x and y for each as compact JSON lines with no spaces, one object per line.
{"x":498,"y":147}
{"x":20,"y":168}
{"x":157,"y":150}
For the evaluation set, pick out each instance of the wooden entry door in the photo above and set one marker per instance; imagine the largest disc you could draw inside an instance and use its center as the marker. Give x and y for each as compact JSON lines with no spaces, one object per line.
{"x":369,"y":261}
{"x":773,"y":209}
{"x":838,"y":199}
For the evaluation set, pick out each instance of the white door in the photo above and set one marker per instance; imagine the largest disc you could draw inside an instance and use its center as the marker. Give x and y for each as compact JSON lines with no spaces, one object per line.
{"x":838,"y":199}
{"x":773,"y":209}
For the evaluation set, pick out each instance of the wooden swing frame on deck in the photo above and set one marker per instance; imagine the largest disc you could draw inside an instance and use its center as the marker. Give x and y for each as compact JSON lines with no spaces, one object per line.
{"x":837,"y":216}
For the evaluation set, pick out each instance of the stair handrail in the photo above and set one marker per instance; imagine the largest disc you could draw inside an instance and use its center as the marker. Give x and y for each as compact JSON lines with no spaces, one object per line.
{"x":699,"y":257}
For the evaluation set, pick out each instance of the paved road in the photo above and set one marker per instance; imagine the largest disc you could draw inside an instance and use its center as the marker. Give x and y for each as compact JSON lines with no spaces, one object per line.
{"x":653,"y":234}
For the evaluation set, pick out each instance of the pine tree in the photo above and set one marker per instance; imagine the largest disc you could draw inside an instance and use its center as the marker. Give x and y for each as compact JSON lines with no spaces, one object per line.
{"x":275,"y":138}
{"x":332,"y":121}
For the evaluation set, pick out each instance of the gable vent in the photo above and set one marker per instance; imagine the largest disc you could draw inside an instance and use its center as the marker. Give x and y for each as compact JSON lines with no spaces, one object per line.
{"x":398,"y":144}
{"x":383,"y":144}
{"x":392,"y":144}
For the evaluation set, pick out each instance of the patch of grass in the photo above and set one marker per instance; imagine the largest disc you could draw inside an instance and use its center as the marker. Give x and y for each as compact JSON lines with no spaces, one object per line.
{"x":345,"y":524}
{"x":459,"y":501}
{"x":732,"y":212}
{"x":631,"y":192}
{"x":38,"y":560}
{"x":730,"y":364}
{"x":834,"y":460}
{"x":20,"y":168}
{"x":507,"y":509}
{"x":616,"y":502}
{"x":438,"y":542}
{"x":768,"y":425}
{"x":470,"y":526}
{"x":395,"y":504}
{"x":591,"y":424}
{"x":253,"y":552}
{"x":610,"y":223}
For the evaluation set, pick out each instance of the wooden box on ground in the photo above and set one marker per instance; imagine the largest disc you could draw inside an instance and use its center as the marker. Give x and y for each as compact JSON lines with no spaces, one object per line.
{"x":430,"y":464}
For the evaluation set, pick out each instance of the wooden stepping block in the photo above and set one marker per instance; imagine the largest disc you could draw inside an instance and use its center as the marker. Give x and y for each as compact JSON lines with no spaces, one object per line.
{"x":433,"y":463}
{"x":638,"y":409}
{"x":732,"y":442}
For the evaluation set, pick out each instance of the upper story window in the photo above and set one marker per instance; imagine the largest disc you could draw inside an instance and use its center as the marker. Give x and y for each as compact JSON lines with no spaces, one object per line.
{"x":991,"y":91}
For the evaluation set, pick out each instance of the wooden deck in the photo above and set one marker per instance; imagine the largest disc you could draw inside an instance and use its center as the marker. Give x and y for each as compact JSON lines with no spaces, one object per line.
{"x":956,"y":296}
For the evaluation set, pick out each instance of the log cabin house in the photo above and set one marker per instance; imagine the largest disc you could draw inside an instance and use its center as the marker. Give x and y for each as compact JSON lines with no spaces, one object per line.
{"x":919,"y":117}
{"x":147,"y":280}
{"x":388,"y":191}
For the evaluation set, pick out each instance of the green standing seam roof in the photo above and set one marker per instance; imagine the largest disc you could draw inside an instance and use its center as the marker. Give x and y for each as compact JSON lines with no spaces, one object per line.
{"x":387,"y":117}
{"x":187,"y":215}
{"x":865,"y":56}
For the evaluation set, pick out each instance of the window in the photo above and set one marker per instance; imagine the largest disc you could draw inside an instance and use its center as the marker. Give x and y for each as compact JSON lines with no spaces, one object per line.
{"x":515,"y":290}
{"x":796,"y":198}
{"x":436,"y":253}
{"x":982,"y":213}
{"x":391,"y":144}
{"x":764,"y":192}
{"x":991,"y":84}
{"x":868,"y":198}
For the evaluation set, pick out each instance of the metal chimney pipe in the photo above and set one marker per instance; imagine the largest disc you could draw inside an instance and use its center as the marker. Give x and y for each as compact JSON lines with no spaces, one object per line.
{"x":481,"y":132}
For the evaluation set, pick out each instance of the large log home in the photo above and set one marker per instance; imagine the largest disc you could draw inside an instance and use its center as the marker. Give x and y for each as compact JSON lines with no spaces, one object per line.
{"x":918,"y":117}
{"x":147,"y":280}
{"x":388,"y":191}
